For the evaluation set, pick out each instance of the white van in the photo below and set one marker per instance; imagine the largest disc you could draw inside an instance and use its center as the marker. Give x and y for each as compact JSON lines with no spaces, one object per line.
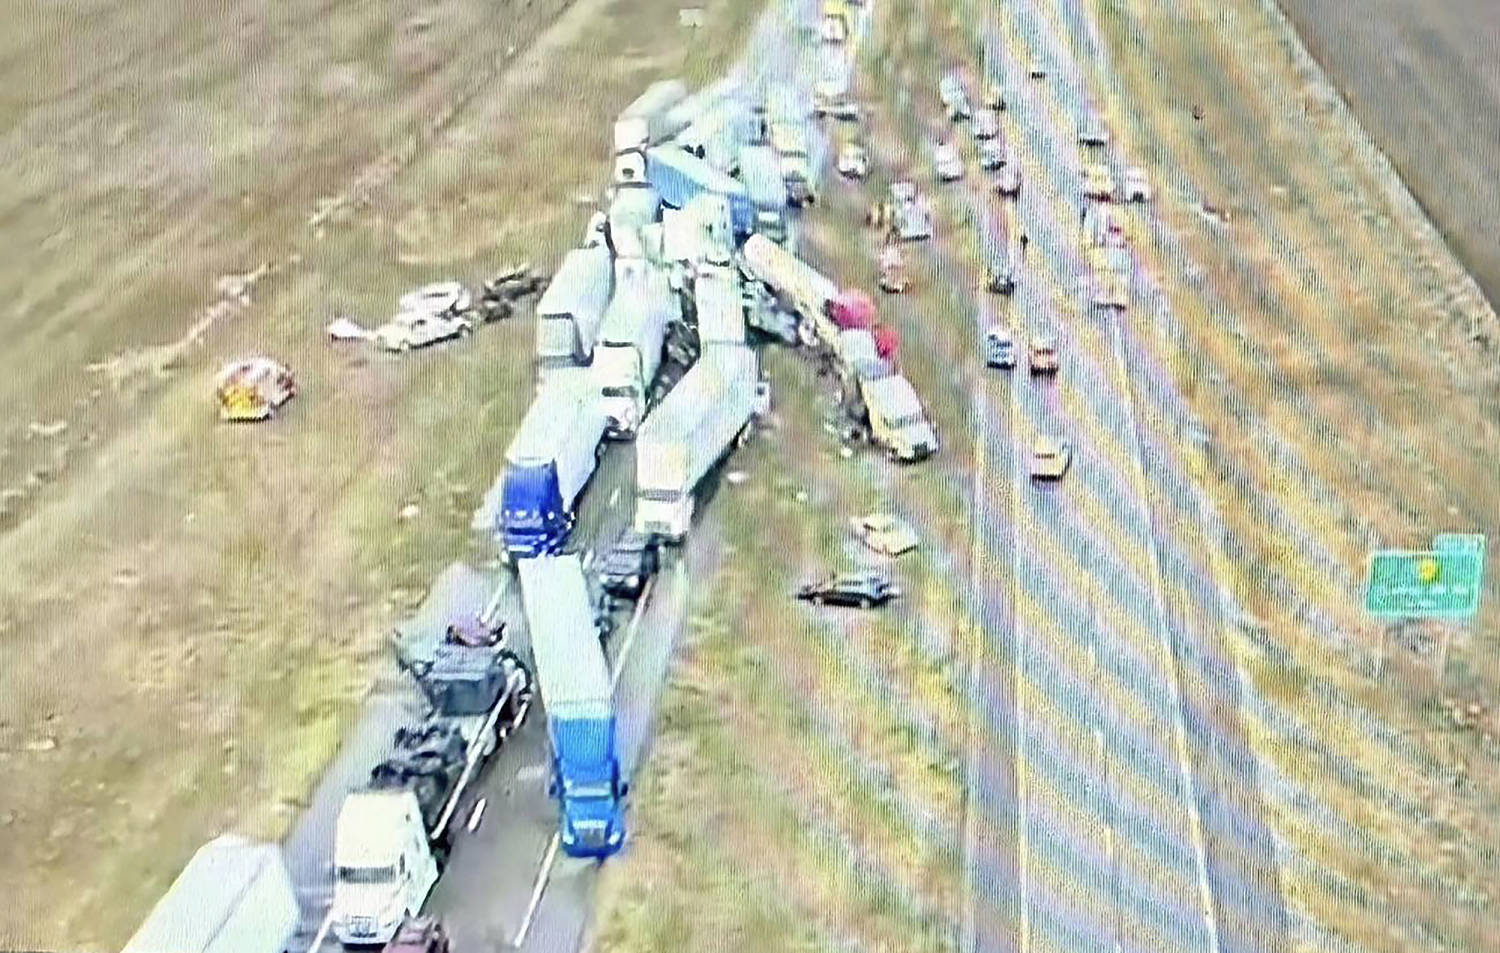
{"x":383,"y":866}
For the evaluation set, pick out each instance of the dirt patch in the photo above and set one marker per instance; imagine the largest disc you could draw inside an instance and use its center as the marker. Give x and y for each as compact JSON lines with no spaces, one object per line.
{"x":1421,"y":80}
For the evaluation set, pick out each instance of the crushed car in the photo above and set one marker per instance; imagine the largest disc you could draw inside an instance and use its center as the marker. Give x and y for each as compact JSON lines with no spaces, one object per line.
{"x":414,"y":329}
{"x":884,"y":533}
{"x":253,"y":388}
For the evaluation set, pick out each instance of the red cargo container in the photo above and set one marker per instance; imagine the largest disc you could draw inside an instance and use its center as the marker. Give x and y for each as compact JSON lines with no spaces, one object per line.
{"x":887,"y":342}
{"x":852,"y":309}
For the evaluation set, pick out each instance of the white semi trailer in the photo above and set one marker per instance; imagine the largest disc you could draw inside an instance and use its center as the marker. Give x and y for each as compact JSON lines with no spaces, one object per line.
{"x":690,"y":431}
{"x":630,"y":344}
{"x":797,"y":284}
{"x":234,"y":896}
{"x":719,"y":297}
{"x":651,"y":120}
{"x":570,"y":310}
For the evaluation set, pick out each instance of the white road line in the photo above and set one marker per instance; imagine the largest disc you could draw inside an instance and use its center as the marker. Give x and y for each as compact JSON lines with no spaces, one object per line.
{"x":614,"y":497}
{"x":476,"y":814}
{"x":631,"y":629}
{"x":1179,"y":728}
{"x":322,"y":933}
{"x":542,"y":874}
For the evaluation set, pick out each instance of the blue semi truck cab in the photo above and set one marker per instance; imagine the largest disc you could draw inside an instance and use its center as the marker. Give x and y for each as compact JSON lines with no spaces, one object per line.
{"x":549,"y":462}
{"x":586,"y":781}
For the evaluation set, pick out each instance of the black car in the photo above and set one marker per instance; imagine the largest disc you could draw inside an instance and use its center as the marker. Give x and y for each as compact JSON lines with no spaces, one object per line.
{"x":863,"y":590}
{"x":635,"y":558}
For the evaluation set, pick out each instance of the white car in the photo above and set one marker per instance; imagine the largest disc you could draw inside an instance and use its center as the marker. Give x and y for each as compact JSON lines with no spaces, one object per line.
{"x":1091,"y":131}
{"x":884,"y":533}
{"x":986,"y":124}
{"x":1050,"y":457}
{"x":443,"y":297}
{"x":991,"y":155}
{"x":853,"y":161}
{"x":1137,"y":187}
{"x":946,"y":163}
{"x":1008,"y":182}
{"x":412,"y":329}
{"x":1036,"y":70}
{"x":1097,"y":182}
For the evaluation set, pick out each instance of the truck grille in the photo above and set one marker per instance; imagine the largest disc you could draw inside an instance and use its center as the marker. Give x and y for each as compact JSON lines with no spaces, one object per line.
{"x":362,"y":926}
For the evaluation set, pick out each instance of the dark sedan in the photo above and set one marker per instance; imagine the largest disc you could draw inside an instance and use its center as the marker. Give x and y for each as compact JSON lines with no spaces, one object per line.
{"x":861,"y":590}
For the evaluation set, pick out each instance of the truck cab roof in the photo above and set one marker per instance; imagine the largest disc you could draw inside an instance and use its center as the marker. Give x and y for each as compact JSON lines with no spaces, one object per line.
{"x":368,"y":826}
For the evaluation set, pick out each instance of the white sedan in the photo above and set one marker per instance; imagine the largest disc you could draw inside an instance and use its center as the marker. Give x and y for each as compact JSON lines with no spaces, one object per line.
{"x":443,"y":297}
{"x":412,"y":329}
{"x":1050,"y":458}
{"x":1137,"y":188}
{"x":853,"y":161}
{"x":946,"y":163}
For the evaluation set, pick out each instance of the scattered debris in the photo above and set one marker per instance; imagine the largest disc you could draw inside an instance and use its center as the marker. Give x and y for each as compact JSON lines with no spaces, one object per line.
{"x":409,"y":512}
{"x":800,"y":496}
{"x":39,"y":429}
{"x":691,"y":17}
{"x":345,"y":329}
{"x":736,"y":477}
{"x":45,"y":743}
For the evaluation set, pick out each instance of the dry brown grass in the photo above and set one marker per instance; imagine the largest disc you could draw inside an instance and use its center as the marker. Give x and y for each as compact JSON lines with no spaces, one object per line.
{"x":1326,"y":344}
{"x":191,"y":612}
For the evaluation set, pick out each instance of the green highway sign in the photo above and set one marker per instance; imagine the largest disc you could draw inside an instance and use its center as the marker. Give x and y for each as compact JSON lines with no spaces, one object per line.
{"x":1436,"y":582}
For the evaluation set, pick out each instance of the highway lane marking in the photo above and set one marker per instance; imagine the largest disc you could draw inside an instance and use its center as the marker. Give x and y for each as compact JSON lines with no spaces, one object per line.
{"x":322,"y":933}
{"x":1200,"y":850}
{"x":632,"y":628}
{"x":542,"y":875}
{"x":614,"y":497}
{"x":476,"y":814}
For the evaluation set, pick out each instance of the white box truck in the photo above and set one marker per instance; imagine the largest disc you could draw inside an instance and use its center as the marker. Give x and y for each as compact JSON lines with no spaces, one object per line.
{"x":570,"y":310}
{"x":234,"y":896}
{"x":384,"y":867}
{"x":721,"y":306}
{"x":896,"y":418}
{"x":652,"y":119}
{"x":630,"y":344}
{"x":690,"y":431}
